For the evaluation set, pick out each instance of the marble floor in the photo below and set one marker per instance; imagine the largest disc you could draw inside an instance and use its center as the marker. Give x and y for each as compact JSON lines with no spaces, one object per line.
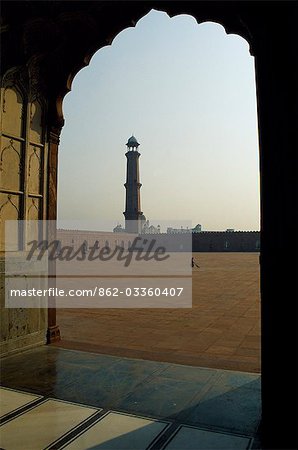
{"x":52,"y":398}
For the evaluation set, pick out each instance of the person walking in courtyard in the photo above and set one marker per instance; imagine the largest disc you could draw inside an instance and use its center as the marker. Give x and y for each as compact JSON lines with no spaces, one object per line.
{"x":193,"y":263}
{"x":85,"y":248}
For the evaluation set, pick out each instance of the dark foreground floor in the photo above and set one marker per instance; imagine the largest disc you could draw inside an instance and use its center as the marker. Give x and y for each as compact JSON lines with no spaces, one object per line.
{"x":119,"y":403}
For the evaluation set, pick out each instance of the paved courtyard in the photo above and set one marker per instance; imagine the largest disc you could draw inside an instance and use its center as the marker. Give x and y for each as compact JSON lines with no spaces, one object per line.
{"x":221,"y":330}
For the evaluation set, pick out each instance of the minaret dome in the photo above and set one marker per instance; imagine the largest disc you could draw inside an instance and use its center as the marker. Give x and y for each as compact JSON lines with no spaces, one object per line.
{"x":132,"y":143}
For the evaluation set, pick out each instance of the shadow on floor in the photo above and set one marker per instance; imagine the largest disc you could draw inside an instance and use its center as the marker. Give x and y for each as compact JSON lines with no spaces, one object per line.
{"x":220,"y":400}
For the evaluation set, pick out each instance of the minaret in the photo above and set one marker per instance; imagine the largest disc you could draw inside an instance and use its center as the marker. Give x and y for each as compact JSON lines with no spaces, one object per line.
{"x":133,"y":215}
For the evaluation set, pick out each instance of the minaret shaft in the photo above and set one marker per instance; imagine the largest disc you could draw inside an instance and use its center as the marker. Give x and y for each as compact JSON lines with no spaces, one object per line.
{"x":133,"y":214}
{"x":133,"y":185}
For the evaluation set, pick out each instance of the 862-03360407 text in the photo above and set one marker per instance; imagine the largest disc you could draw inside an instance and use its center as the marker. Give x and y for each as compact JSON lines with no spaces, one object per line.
{"x":99,"y":291}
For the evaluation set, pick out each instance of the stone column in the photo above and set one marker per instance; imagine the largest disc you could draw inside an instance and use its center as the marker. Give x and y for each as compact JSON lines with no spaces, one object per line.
{"x":53,"y":332}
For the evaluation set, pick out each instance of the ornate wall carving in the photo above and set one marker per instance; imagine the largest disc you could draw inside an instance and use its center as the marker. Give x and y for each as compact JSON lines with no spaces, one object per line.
{"x":23,"y":188}
{"x":23,"y":150}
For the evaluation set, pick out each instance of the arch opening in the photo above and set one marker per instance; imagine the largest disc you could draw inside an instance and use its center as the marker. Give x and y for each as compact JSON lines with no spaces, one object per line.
{"x":220,"y":167}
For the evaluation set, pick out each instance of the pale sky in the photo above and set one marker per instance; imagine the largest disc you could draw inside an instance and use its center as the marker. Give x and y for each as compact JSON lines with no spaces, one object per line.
{"x":187,"y":92}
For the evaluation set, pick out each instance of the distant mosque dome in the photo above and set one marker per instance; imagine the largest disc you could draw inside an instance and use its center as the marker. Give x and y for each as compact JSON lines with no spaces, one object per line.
{"x":118,"y":229}
{"x":132,"y":142}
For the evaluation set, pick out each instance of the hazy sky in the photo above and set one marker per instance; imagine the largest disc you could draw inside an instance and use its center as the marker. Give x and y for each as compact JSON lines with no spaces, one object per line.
{"x":187,"y":92}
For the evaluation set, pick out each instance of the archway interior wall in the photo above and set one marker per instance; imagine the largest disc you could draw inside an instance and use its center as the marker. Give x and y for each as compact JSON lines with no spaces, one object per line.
{"x":23,"y":195}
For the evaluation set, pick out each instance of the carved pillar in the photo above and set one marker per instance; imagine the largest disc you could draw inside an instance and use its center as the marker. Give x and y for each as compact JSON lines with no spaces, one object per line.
{"x":53,"y":332}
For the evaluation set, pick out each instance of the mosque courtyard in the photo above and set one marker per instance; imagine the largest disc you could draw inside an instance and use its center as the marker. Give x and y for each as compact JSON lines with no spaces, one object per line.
{"x":221,"y":330}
